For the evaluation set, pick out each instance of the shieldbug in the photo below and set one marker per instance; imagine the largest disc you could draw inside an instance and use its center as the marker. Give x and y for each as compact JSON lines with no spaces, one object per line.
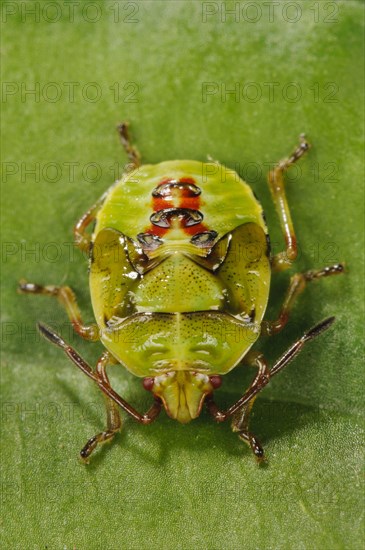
{"x":182,"y":262}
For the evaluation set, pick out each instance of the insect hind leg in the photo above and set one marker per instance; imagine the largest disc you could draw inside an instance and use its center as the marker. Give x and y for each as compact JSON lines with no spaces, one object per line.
{"x":284,"y":260}
{"x":133,"y":154}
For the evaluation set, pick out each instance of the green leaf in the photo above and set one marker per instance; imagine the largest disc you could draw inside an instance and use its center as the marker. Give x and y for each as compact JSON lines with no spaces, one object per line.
{"x":193,"y":80}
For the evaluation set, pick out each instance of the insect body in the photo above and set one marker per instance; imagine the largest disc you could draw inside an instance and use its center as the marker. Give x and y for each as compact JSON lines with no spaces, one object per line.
{"x":178,"y":285}
{"x":180,"y":270}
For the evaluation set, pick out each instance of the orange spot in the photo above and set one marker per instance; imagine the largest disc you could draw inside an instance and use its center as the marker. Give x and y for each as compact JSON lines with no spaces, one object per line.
{"x":160,"y":203}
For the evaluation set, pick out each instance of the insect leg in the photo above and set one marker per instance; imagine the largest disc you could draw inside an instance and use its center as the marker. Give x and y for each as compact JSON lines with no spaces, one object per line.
{"x":67,"y":299}
{"x":297,"y":285}
{"x":83,"y":239}
{"x":113,"y":417}
{"x":283,"y":260}
{"x":240,"y":421}
{"x":131,"y":150}
{"x":101,"y":380}
{"x":261,"y":380}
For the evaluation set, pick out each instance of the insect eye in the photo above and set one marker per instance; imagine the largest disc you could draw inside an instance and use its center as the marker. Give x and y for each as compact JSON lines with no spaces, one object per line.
{"x":204,"y":239}
{"x":216,"y":381}
{"x":148,"y":383}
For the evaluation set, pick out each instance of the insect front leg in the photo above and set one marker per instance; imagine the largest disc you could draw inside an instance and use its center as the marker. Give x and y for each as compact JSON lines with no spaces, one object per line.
{"x":297,"y":284}
{"x":264,"y":375}
{"x":284,"y":260}
{"x":240,"y":421}
{"x":101,"y":379}
{"x":131,"y":150}
{"x":112,"y":411}
{"x":67,"y":299}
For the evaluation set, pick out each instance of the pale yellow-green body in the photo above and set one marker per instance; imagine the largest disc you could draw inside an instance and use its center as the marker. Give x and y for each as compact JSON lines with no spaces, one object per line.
{"x":177,"y":307}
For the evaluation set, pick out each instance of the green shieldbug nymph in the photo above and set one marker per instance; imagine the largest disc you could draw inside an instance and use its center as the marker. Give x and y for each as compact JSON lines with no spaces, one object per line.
{"x":181,"y":262}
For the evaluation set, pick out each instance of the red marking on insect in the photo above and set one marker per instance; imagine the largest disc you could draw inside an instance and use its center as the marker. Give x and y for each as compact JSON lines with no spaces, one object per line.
{"x":179,"y":194}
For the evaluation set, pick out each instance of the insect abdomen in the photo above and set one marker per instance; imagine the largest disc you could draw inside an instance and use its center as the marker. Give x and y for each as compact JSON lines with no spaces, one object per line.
{"x":188,"y":196}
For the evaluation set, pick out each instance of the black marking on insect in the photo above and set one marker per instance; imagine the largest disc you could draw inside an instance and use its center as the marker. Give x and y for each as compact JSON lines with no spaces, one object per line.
{"x":163,"y":218}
